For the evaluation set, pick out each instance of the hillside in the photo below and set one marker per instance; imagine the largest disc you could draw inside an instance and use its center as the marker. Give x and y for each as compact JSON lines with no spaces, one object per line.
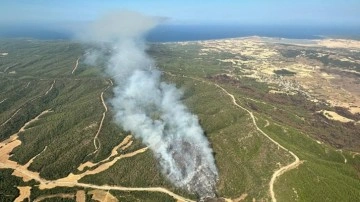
{"x":282,"y":117}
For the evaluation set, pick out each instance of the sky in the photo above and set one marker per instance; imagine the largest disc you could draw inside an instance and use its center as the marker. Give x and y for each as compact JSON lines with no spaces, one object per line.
{"x":263,"y":12}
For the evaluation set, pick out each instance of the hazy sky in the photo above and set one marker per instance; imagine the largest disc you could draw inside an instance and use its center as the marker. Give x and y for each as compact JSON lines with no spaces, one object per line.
{"x":333,"y":12}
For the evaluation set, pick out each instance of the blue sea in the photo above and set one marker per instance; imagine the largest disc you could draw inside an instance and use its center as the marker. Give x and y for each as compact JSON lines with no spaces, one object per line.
{"x":173,"y":33}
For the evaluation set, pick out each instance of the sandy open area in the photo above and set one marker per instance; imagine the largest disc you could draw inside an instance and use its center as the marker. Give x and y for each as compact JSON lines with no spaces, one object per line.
{"x":80,"y":196}
{"x":24,"y":194}
{"x":102,"y":196}
{"x":260,"y":57}
{"x":335,"y":116}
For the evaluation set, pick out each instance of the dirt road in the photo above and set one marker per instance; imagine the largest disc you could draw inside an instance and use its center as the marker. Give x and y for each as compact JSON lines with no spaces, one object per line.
{"x":76,"y":65}
{"x":96,"y":139}
{"x":11,"y":117}
{"x":51,"y":87}
{"x":283,"y":169}
{"x":3,"y":100}
{"x":27,"y":85}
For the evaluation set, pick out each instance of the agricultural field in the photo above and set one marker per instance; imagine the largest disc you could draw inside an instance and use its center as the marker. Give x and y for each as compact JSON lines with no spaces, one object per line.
{"x":282,"y":116}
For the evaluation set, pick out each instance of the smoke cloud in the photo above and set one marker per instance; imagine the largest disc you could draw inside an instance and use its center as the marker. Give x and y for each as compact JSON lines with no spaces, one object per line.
{"x":151,"y":109}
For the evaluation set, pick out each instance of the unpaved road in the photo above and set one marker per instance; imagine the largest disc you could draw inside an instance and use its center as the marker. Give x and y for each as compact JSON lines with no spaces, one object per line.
{"x":3,"y":100}
{"x":149,"y":189}
{"x":27,"y":85}
{"x":123,"y":145}
{"x":96,"y":139}
{"x":33,"y":158}
{"x":283,"y":169}
{"x":12,"y":116}
{"x":341,"y":152}
{"x":51,"y":87}
{"x":76,"y":65}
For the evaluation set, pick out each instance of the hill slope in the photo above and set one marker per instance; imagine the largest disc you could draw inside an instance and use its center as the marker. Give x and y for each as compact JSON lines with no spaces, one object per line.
{"x":58,"y":135}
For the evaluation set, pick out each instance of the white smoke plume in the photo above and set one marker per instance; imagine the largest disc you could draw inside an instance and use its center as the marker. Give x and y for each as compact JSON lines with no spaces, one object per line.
{"x":151,"y":109}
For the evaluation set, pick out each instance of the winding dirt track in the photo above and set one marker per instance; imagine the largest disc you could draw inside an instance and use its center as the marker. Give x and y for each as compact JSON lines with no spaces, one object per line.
{"x":33,"y":158}
{"x":341,"y":152}
{"x":283,"y":169}
{"x":76,"y":65}
{"x":278,"y":172}
{"x":126,"y":141}
{"x":27,"y":85}
{"x":96,"y":139}
{"x":3,"y":100}
{"x":12,"y":116}
{"x":51,"y":87}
